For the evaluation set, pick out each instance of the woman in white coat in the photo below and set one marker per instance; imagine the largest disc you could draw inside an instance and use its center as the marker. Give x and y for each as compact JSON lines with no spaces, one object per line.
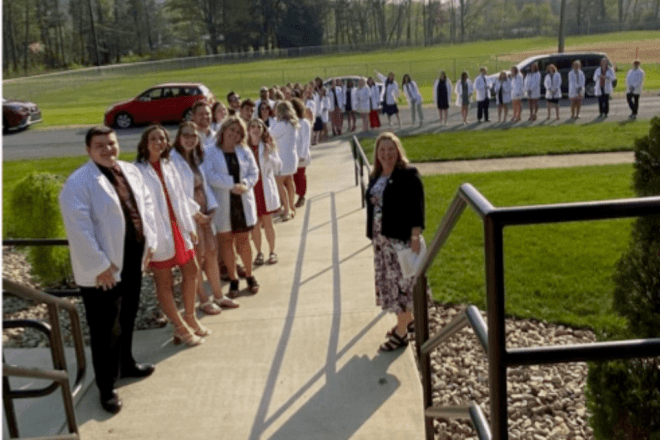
{"x":464,"y":90}
{"x":390,"y":94}
{"x":517,"y":93}
{"x":285,"y":132}
{"x":502,"y":95}
{"x":176,"y":233}
{"x":265,"y":191}
{"x":363,"y":101}
{"x":576,"y":83}
{"x":552,"y":83}
{"x":187,"y":156}
{"x":414,"y":98}
{"x":442,"y":96}
{"x":603,"y":77}
{"x":304,"y":152}
{"x":350,"y":105}
{"x":232,"y":172}
{"x":532,"y":85}
{"x":374,"y":115}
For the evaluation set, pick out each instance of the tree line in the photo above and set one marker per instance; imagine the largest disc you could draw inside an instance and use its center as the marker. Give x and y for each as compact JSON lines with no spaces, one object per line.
{"x":50,"y":35}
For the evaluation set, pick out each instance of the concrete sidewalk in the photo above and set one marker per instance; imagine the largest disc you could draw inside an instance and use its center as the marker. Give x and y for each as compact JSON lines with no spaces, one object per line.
{"x":296,"y":361}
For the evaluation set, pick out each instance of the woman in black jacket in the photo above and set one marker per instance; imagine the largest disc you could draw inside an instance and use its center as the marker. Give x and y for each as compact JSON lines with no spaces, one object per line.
{"x":395,"y":220}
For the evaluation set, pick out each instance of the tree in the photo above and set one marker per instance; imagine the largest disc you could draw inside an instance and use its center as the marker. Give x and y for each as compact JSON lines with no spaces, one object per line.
{"x":301,"y":25}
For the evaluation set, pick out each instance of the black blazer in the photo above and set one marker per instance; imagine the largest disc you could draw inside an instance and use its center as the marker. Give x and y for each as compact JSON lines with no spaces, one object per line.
{"x":403,"y":204}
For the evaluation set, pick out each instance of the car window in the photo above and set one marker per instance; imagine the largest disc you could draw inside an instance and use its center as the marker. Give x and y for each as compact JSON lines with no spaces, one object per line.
{"x":563,"y":63}
{"x":168,"y":92}
{"x":152,"y":94}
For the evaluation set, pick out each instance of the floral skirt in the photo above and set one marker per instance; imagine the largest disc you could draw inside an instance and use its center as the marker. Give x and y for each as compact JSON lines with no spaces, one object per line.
{"x":394,"y":293}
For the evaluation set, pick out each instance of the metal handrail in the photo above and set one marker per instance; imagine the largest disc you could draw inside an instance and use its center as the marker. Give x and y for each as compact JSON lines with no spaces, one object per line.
{"x":59,"y":374}
{"x":492,"y":336}
{"x":360,"y":162}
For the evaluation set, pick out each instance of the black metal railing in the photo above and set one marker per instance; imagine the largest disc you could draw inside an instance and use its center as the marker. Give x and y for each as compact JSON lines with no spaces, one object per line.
{"x":360,"y":162}
{"x":492,"y":336}
{"x":59,"y":374}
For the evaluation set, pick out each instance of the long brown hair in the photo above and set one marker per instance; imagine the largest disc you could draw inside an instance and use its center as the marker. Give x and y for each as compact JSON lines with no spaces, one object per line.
{"x":266,"y":137}
{"x":143,"y":145}
{"x":401,"y":162}
{"x":196,"y":156}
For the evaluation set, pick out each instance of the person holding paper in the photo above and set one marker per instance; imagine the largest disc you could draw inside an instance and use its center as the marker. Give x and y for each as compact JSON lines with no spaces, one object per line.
{"x":395,"y":220}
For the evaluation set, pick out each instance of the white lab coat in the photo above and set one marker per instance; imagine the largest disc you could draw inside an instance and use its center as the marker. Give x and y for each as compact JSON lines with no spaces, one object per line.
{"x":375,"y":97}
{"x":311,"y":104}
{"x":435,"y":90}
{"x":268,"y":165}
{"x":532,"y":85}
{"x":208,"y":140}
{"x":94,"y":220}
{"x":609,"y":77}
{"x":576,"y":82}
{"x":286,"y":137}
{"x":506,"y":91}
{"x":325,"y":109}
{"x":304,"y":143}
{"x":188,"y":180}
{"x":517,"y":87}
{"x":217,"y":173}
{"x":340,"y":98}
{"x":363,"y":99}
{"x":412,"y":93}
{"x":390,"y":91}
{"x":482,"y":87}
{"x":459,"y":91}
{"x":180,"y":205}
{"x":552,"y":83}
{"x":635,"y":81}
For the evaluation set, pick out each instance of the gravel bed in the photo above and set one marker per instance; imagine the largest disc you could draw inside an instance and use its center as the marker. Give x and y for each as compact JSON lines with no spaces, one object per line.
{"x":545,"y":402}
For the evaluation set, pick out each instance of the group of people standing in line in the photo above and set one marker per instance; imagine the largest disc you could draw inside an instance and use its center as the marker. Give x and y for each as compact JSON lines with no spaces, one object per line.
{"x":196,"y":203}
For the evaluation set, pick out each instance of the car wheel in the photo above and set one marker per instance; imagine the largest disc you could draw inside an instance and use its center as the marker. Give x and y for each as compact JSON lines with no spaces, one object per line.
{"x":589,"y":90}
{"x":123,"y":120}
{"x":187,"y":115}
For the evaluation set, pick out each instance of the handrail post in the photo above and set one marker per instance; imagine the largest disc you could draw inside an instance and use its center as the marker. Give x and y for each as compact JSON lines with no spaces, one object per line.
{"x":420,"y":313}
{"x":355,"y":158}
{"x":10,"y":412}
{"x":494,"y":249}
{"x":363,"y":196}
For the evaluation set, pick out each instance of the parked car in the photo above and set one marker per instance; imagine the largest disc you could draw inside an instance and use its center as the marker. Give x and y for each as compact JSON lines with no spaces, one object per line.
{"x":170,"y":102}
{"x":563,"y":61}
{"x":356,"y":81}
{"x":17,"y":115}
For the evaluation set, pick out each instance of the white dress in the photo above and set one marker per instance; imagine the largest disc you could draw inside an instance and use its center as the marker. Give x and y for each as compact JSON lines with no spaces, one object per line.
{"x":285,"y":136}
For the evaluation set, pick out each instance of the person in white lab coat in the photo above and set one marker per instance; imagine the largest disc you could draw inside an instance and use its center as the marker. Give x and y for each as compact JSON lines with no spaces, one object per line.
{"x":203,"y":117}
{"x":187,"y":156}
{"x":266,"y":193}
{"x":502,"y":88}
{"x":219,"y":113}
{"x":576,"y":83}
{"x":304,"y":152}
{"x":634,"y":83}
{"x":176,"y":232}
{"x":109,"y":216}
{"x":336,"y":106}
{"x":232,"y":172}
{"x":552,"y":83}
{"x":363,"y":102}
{"x":390,"y":94}
{"x":374,"y":115}
{"x":350,"y":105}
{"x":482,"y":88}
{"x":532,"y":85}
{"x":603,"y":77}
{"x":517,"y":93}
{"x":286,"y":133}
{"x":414,"y":97}
{"x":442,"y":95}
{"x":464,"y":90}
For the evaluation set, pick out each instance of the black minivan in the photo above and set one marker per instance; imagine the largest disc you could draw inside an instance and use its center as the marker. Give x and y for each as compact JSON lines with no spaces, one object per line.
{"x":563,"y":61}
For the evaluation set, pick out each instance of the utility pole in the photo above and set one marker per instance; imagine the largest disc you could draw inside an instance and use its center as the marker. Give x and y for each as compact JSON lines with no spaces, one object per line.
{"x":562,"y":27}
{"x":96,"y":45}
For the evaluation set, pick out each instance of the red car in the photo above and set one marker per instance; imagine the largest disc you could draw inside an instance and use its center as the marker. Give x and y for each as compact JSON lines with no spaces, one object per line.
{"x":170,"y":102}
{"x":17,"y":115}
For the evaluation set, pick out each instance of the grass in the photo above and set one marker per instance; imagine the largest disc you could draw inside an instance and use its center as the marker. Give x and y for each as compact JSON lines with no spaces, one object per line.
{"x":525,"y":141}
{"x":559,"y":273}
{"x":83,"y":100}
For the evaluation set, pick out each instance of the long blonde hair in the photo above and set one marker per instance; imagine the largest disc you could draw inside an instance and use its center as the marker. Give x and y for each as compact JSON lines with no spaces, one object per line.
{"x":284,"y":112}
{"x":228,"y":122}
{"x":401,"y":162}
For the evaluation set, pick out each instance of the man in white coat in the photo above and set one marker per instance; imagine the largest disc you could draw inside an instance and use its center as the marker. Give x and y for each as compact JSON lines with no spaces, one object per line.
{"x":482,"y":89}
{"x":109,"y":216}
{"x":634,"y":83}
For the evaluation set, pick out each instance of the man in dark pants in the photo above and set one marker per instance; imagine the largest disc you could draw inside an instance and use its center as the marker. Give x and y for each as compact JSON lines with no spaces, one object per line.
{"x":634,"y":83}
{"x":482,"y":88}
{"x":108,"y":215}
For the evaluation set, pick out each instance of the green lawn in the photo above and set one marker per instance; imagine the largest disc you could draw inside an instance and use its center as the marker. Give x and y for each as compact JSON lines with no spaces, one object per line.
{"x":559,"y":273}
{"x":530,"y":141}
{"x":83,"y":100}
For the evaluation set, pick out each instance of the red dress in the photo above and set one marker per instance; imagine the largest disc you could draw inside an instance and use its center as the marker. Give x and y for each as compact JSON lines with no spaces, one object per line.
{"x":259,"y":197}
{"x":181,"y":254}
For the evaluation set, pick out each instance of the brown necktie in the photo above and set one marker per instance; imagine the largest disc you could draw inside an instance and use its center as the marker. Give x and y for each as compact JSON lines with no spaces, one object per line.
{"x":127,"y":200}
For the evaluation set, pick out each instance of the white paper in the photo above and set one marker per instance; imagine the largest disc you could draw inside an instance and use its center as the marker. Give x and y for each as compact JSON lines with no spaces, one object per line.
{"x":408,"y":260}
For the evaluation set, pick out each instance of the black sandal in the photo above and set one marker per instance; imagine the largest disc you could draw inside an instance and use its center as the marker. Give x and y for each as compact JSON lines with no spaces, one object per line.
{"x":410,"y":328}
{"x":252,"y":284}
{"x":259,"y":261}
{"x":394,"y":342}
{"x":233,"y":289}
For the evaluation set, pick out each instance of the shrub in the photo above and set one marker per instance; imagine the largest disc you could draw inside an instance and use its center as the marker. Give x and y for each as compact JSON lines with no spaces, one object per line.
{"x":624,"y":396}
{"x":35,"y":214}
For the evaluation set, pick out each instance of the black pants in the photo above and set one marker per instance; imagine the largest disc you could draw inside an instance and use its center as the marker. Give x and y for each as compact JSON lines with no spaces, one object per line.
{"x":604,"y":104}
{"x":633,"y":102}
{"x":111,"y":318}
{"x":482,"y":109}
